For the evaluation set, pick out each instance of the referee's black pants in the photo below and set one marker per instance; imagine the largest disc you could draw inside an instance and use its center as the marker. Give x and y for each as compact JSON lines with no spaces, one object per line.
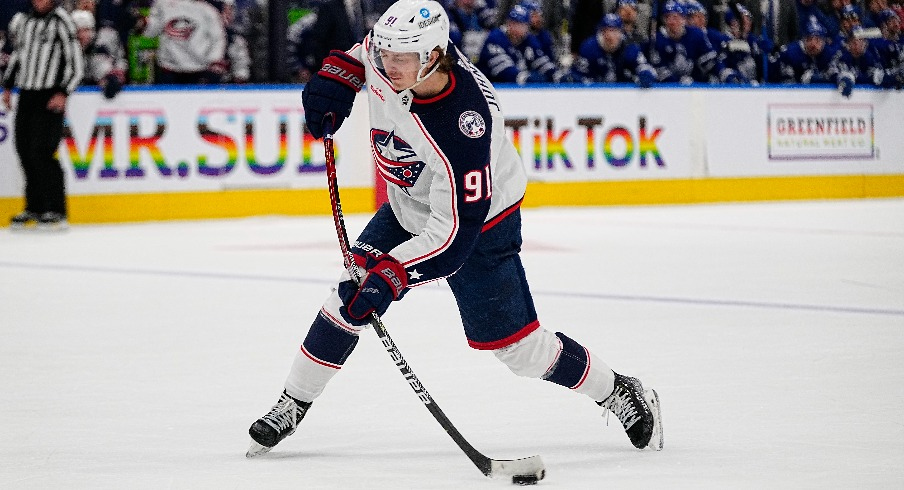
{"x":38,"y":134}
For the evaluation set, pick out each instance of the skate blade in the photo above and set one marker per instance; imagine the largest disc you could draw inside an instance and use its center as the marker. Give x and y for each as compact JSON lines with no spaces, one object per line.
{"x":652,"y":399}
{"x":256,"y":450}
{"x":54,"y":228}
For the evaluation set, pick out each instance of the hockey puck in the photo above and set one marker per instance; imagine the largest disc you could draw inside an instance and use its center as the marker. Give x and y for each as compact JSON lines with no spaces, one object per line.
{"x":525,"y":480}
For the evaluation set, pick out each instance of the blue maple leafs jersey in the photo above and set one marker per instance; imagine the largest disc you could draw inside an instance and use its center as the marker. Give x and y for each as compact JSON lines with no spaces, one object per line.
{"x":594,"y":64}
{"x":689,"y":58}
{"x":507,"y":63}
{"x":796,"y":66}
{"x":451,"y":171}
{"x":867,"y":69}
{"x":891,"y":55}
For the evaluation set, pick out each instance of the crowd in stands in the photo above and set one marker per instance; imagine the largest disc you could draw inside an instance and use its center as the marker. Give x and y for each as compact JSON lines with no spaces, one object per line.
{"x":842,"y":43}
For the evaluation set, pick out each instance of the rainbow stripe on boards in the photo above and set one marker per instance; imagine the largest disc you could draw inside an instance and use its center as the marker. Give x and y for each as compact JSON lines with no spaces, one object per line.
{"x":282,"y":146}
{"x":591,"y":147}
{"x":102,"y":134}
{"x":221,"y":140}
{"x":624,"y":136}
{"x":648,"y":144}
{"x":555,"y":146}
{"x":308,"y":154}
{"x":138,"y":143}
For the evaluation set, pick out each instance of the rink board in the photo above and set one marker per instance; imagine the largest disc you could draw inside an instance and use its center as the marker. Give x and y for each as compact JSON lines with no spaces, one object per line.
{"x":158,"y":154}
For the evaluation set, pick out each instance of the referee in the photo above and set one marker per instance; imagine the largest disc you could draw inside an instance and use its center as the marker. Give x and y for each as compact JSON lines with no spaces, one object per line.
{"x":46,"y":65}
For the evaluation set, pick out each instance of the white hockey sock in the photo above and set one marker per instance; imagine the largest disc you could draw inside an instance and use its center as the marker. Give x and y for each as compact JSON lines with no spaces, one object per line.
{"x":308,"y":377}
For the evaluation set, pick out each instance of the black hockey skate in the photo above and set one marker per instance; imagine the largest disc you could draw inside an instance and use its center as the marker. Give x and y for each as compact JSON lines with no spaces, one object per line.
{"x":52,"y":222}
{"x":278,"y":424}
{"x":22,"y":220}
{"x":637,"y":410}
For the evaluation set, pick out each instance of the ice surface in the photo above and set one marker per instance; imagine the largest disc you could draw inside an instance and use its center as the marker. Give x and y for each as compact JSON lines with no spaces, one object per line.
{"x":136,"y":356}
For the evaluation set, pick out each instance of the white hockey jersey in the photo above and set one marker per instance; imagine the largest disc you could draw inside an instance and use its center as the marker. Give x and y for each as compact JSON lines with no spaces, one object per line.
{"x":451,"y":171}
{"x":192,"y":36}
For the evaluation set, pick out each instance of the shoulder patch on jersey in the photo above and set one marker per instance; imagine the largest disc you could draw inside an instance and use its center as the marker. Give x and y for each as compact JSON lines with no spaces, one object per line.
{"x":472,"y":124}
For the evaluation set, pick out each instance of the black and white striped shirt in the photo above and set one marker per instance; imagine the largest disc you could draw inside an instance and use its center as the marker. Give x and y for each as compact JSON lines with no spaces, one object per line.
{"x":46,"y":52}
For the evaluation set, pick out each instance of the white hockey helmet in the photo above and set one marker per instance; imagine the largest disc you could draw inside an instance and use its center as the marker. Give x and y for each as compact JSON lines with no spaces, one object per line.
{"x":412,"y":26}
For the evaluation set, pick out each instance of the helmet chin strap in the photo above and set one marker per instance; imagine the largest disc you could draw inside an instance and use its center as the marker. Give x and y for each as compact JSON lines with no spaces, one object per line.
{"x":421,"y":78}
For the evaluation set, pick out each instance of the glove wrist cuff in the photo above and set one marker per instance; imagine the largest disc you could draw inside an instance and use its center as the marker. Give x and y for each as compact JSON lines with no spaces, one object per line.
{"x":391,"y":271}
{"x":343,"y":68}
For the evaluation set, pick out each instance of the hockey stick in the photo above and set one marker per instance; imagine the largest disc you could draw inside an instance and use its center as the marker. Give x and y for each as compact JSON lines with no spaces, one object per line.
{"x":521,"y":471}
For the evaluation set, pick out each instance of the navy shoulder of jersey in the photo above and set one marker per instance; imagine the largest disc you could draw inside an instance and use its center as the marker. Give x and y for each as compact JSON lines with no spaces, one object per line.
{"x":460,"y":125}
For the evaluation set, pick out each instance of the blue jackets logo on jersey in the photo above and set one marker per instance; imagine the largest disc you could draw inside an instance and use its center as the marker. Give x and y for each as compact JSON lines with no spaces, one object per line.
{"x":396,"y":160}
{"x":472,"y":124}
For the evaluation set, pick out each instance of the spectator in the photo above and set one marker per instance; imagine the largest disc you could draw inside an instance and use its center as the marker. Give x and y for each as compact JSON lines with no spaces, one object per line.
{"x":698,"y":17}
{"x":512,"y":55}
{"x":238,"y":58}
{"x":105,"y":62}
{"x":8,"y":8}
{"x":192,"y":41}
{"x":862,"y":61}
{"x":301,"y":58}
{"x":255,"y":26}
{"x":330,"y":25}
{"x":470,"y":23}
{"x":681,"y":53}
{"x":898,"y":7}
{"x":812,"y":61}
{"x":46,"y":69}
{"x":88,"y":6}
{"x":123,"y":16}
{"x":609,"y":57}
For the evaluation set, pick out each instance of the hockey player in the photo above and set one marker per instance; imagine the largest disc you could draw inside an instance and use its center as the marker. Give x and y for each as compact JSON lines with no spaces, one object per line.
{"x":455,"y":187}
{"x":471,"y":22}
{"x":743,"y":50}
{"x":696,"y":16}
{"x":811,"y":61}
{"x":538,"y":28}
{"x":890,"y":48}
{"x":511,"y":54}
{"x":682,"y":54}
{"x":850,"y":20}
{"x":608,"y":57}
{"x":861,"y":59}
{"x":635,"y":32}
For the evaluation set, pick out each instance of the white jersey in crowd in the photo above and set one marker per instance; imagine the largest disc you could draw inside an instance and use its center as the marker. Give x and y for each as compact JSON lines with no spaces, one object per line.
{"x":192,"y":36}
{"x":105,"y":56}
{"x":451,"y":171}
